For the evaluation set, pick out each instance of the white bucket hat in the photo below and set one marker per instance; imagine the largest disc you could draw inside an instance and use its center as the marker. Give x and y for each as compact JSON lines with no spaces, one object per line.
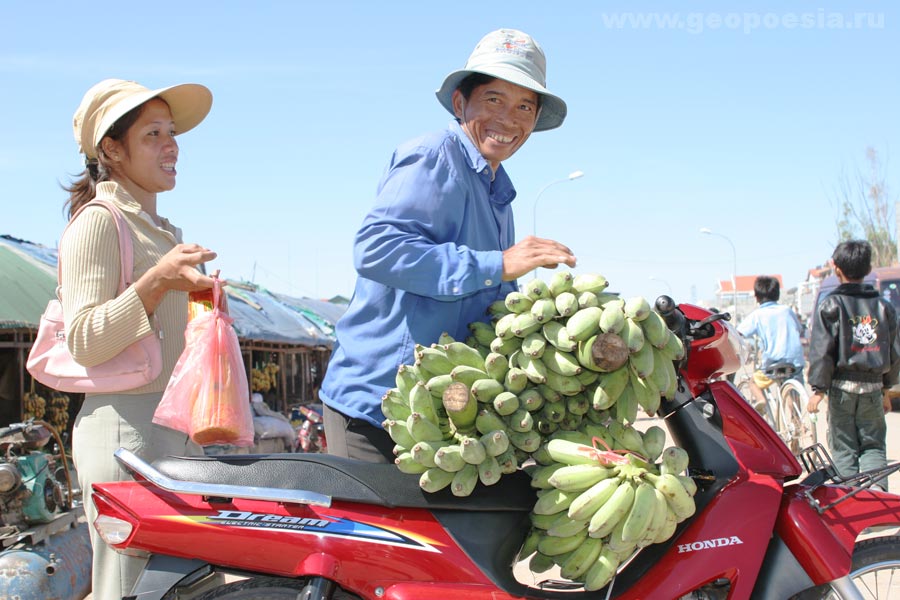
{"x":109,"y":100}
{"x":512,"y":56}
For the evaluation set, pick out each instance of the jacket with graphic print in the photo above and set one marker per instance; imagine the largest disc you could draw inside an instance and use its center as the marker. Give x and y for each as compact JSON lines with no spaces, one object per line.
{"x":854,"y":338}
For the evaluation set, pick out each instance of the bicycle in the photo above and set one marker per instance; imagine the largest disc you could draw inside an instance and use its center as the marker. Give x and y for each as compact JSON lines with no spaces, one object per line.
{"x":785,"y":404}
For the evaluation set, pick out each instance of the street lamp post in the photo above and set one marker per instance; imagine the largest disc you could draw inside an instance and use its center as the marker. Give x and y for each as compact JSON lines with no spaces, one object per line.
{"x":709,"y":231}
{"x":572,"y":176}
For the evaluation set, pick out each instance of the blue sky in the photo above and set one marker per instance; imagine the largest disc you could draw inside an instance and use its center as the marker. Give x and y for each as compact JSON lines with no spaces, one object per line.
{"x":740,"y":117}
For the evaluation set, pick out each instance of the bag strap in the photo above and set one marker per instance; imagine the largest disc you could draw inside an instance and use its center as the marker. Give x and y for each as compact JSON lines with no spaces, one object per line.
{"x":126,"y":250}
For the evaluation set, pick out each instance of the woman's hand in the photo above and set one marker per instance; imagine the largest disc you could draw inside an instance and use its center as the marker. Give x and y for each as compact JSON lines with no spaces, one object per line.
{"x":534,"y":252}
{"x":177,"y":270}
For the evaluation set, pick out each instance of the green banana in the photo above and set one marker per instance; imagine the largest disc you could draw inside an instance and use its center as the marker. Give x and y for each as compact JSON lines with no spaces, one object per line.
{"x":654,"y":439}
{"x":668,"y":528}
{"x":549,"y":394}
{"x":566,"y":304}
{"x":558,"y":336}
{"x":518,"y":302}
{"x":571,"y":453}
{"x":553,"y":501}
{"x":632,"y":335}
{"x":521,"y":421}
{"x":449,"y":458}
{"x":489,"y":471}
{"x":496,"y":365}
{"x":627,"y":437}
{"x":642,"y":360}
{"x":562,"y":363}
{"x":495,"y":442}
{"x":540,"y":563}
{"x":563,"y":526}
{"x":487,"y":389}
{"x":567,"y":385}
{"x":627,"y":406}
{"x":586,"y":299}
{"x":540,"y":476}
{"x":544,"y":310}
{"x":423,"y":430}
{"x":689,"y":484}
{"x":516,"y":379}
{"x":587,"y":377}
{"x":407,"y":464}
{"x":660,"y":510}
{"x":584,"y":282}
{"x":421,"y":401}
{"x":577,"y":405}
{"x":555,"y":546}
{"x":529,"y":546}
{"x":406,"y":377}
{"x":680,"y":501}
{"x":616,"y":542}
{"x":602,"y":571}
{"x":553,"y":412}
{"x":435,"y":479}
{"x":646,"y":394}
{"x":437,"y":384}
{"x":655,"y":330}
{"x":423,"y":452}
{"x":581,"y":559}
{"x":531,"y":399}
{"x":464,"y":481}
{"x":468,"y":375}
{"x":637,"y":521}
{"x":612,"y":319}
{"x":488,"y":420}
{"x":590,"y":500}
{"x":505,"y":346}
{"x":612,"y":511}
{"x":674,"y":347}
{"x":394,"y":407}
{"x":506,"y":403}
{"x":537,"y":289}
{"x":527,"y":441}
{"x":461,"y":407}
{"x":433,"y":360}
{"x":535,"y":370}
{"x":534,"y":344}
{"x":675,"y":460}
{"x":483,"y":332}
{"x":637,"y":308}
{"x":525,"y":323}
{"x":560,"y":282}
{"x":472,"y":450}
{"x":508,"y":461}
{"x":399,"y":432}
{"x":578,"y":478}
{"x":503,"y":328}
{"x":584,"y":323}
{"x":460,"y":353}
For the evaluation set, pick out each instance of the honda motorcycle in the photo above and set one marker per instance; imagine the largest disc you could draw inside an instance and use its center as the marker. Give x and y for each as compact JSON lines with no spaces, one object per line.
{"x":311,"y":432}
{"x":316,"y":527}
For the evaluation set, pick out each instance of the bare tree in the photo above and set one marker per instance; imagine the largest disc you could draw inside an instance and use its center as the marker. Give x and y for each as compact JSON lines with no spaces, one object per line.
{"x":866,"y":211}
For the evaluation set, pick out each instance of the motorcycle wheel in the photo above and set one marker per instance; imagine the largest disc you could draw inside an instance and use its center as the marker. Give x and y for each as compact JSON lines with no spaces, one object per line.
{"x":875,"y":571}
{"x":264,"y":588}
{"x":800,"y":428}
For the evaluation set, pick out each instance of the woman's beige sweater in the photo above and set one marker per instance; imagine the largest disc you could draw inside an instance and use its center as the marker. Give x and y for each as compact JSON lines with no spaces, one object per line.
{"x":100,"y":323}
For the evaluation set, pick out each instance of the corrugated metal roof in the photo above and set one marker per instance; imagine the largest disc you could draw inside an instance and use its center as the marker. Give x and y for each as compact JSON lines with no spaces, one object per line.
{"x":26,"y":282}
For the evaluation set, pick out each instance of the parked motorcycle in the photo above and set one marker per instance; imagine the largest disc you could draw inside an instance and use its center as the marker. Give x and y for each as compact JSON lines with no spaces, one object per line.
{"x":317,"y":527}
{"x":311,"y":431}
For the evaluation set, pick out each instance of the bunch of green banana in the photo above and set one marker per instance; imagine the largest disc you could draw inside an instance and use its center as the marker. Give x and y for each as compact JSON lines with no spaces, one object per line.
{"x":593,"y":512}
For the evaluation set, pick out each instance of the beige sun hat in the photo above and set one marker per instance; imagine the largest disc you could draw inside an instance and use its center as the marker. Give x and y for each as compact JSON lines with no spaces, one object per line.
{"x":108,"y":100}
{"x":516,"y":57}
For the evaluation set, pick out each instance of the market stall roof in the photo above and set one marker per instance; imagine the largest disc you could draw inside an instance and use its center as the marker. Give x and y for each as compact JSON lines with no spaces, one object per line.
{"x":27,"y":282}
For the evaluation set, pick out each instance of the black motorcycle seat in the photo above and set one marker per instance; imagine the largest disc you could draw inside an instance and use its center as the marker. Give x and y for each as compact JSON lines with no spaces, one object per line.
{"x":346,"y":479}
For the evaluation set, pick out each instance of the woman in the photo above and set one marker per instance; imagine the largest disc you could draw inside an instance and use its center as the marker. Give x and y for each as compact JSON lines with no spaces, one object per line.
{"x":127,"y":135}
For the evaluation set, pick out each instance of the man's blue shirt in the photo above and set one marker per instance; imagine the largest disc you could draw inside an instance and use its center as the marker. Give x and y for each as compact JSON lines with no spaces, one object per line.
{"x":778,"y":329}
{"x":429,"y":256}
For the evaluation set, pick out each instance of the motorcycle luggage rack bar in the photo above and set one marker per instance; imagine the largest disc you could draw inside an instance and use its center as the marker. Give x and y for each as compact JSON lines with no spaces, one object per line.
{"x":821,"y":469}
{"x":215,"y":490}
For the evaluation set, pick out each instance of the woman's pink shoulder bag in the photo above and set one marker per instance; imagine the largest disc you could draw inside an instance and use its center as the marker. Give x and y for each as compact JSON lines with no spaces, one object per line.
{"x":50,"y":361}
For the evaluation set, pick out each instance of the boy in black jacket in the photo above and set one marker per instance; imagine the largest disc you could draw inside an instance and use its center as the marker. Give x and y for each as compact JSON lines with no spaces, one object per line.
{"x":854,"y":357}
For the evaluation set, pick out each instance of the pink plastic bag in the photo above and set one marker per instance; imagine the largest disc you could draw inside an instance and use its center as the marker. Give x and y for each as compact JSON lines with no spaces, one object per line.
{"x":208,"y":396}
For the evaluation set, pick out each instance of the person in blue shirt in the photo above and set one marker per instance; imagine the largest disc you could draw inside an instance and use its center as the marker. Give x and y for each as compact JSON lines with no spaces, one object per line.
{"x":439,"y":245}
{"x":777,"y":328}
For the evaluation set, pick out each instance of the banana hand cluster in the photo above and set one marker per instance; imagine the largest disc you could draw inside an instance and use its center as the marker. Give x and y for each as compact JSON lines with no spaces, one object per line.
{"x":265,"y":378}
{"x":594,"y":510}
{"x":34,"y":406}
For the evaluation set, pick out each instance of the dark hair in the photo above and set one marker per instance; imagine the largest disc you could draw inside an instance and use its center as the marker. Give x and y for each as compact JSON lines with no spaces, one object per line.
{"x":473,"y":80}
{"x":853,"y":258}
{"x":83,"y":189}
{"x":766,"y":289}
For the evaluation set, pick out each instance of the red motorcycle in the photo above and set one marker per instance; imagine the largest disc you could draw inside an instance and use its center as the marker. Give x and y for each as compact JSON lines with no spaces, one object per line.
{"x":314,"y":526}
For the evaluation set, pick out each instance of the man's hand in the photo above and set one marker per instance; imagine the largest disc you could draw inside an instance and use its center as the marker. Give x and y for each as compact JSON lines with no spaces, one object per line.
{"x":813,"y":405}
{"x":886,"y":402}
{"x":534,"y":252}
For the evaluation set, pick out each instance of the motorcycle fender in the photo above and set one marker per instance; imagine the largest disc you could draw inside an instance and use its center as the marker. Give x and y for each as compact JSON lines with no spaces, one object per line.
{"x":823,"y":543}
{"x":162,"y":573}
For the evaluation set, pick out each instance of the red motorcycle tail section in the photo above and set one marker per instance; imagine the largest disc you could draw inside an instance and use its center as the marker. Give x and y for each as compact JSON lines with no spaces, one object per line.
{"x":823,"y":543}
{"x":362,"y":546}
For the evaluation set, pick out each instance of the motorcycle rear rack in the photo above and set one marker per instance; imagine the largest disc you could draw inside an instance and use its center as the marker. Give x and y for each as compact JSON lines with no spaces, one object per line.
{"x":821,"y":469}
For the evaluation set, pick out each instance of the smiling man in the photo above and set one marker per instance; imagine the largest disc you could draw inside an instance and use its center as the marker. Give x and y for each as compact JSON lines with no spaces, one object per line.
{"x":439,"y":245}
